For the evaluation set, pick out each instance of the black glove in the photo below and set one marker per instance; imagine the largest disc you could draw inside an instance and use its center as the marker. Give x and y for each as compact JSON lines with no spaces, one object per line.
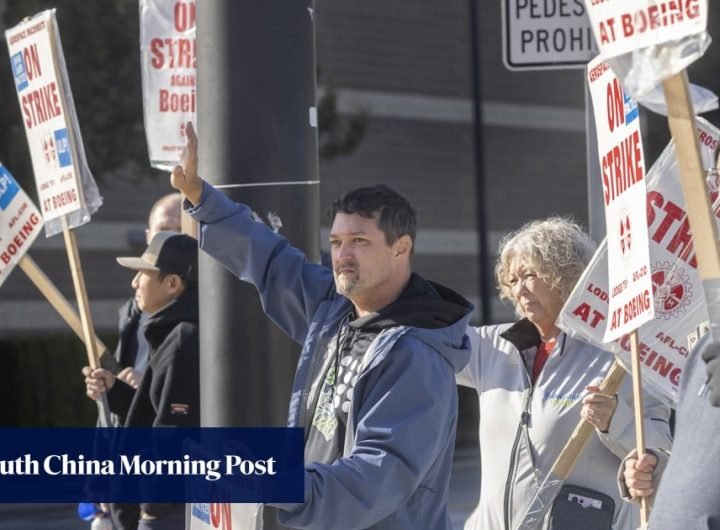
{"x":710,"y":352}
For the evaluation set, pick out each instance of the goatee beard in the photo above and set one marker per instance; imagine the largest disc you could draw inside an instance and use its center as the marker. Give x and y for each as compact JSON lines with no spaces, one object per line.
{"x":344,"y":285}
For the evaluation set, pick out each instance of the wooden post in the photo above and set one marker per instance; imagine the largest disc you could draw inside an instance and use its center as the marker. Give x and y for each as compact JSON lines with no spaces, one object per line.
{"x":85,"y":317}
{"x":681,"y":119}
{"x":639,"y":423}
{"x":56,"y":299}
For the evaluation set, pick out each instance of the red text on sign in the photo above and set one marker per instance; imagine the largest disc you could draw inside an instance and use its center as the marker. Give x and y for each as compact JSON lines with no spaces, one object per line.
{"x":59,"y":200}
{"x":632,"y":309}
{"x":658,"y":16}
{"x":184,"y":16}
{"x":654,"y":16}
{"x":220,"y":514}
{"x":19,"y":239}
{"x":41,"y":105}
{"x":585,"y":312}
{"x":171,"y":102}
{"x":663,"y":215}
{"x":173,"y":53}
{"x":657,"y":362}
{"x":32,"y":62}
{"x":622,"y":167}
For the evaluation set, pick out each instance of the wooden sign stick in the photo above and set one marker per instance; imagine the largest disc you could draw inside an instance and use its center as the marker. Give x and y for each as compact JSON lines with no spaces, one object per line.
{"x":71,"y":243}
{"x":85,"y":317}
{"x":639,"y":423}
{"x":56,"y":299}
{"x":681,"y":119}
{"x":566,"y":460}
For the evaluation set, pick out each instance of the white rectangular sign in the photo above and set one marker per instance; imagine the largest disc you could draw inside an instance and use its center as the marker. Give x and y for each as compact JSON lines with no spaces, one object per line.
{"x":621,"y":26}
{"x":622,"y":166}
{"x":20,"y":223}
{"x":546,"y":34}
{"x":168,"y":64}
{"x":43,"y":107}
{"x":680,"y":306}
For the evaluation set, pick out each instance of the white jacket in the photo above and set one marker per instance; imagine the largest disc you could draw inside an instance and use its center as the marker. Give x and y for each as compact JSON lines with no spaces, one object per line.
{"x":515,"y":457}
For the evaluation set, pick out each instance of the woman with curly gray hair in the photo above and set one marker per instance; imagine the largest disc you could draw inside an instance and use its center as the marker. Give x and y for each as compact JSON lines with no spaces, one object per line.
{"x":534,"y":383}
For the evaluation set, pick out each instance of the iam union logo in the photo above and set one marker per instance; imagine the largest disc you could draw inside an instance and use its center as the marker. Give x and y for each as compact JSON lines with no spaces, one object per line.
{"x":625,"y":236}
{"x":672,"y":290}
{"x":50,"y":151}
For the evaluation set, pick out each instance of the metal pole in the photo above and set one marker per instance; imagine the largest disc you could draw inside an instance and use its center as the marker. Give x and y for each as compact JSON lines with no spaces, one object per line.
{"x":484,"y":259}
{"x":258,"y":142}
{"x":596,"y":209}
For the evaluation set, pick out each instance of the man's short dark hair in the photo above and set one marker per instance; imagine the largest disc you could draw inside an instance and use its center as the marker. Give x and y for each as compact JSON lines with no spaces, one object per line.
{"x":395,"y":215}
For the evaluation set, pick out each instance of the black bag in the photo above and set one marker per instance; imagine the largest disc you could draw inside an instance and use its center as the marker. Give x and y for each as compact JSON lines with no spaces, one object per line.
{"x":578,"y":508}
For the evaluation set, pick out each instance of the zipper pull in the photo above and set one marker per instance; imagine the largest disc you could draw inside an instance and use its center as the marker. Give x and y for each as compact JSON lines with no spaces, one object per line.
{"x":537,"y":476}
{"x":525,"y":418}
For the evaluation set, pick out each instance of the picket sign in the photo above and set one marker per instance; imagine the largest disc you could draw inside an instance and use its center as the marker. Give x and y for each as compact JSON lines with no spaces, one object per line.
{"x":39,"y":73}
{"x":168,"y":68}
{"x":681,"y":119}
{"x":20,"y":224}
{"x":622,"y":164}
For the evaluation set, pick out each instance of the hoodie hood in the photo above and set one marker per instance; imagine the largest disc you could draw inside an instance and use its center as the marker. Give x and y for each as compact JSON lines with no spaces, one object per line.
{"x":433,"y":313}
{"x":422,"y":304}
{"x":183,"y":309}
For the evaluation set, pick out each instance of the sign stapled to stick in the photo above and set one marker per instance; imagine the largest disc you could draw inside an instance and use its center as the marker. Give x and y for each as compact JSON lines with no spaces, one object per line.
{"x":168,"y":64}
{"x":20,"y":223}
{"x":678,"y":297}
{"x":622,"y":167}
{"x":66,"y":189}
{"x":65,"y":185}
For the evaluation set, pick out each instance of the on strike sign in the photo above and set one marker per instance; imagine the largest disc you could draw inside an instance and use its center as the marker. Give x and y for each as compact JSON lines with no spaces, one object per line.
{"x":680,"y":305}
{"x":621,"y":27}
{"x":623,"y":179}
{"x":34,"y":61}
{"x":168,"y":64}
{"x":20,"y":223}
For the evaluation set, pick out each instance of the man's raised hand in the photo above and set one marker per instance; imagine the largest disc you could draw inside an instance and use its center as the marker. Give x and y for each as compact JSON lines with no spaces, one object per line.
{"x":184,"y":177}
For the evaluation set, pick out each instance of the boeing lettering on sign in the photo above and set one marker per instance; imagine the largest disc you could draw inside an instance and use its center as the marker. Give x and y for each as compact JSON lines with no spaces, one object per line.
{"x":546,"y":34}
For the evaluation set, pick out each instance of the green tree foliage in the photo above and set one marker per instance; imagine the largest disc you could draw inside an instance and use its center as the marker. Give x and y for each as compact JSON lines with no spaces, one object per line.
{"x":45,"y":387}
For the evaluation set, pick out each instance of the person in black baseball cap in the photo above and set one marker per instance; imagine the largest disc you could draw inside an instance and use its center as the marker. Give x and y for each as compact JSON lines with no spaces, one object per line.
{"x":169,"y":391}
{"x":165,"y":269}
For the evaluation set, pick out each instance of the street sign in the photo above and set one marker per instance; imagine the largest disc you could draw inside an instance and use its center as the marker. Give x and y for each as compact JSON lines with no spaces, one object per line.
{"x":546,"y":35}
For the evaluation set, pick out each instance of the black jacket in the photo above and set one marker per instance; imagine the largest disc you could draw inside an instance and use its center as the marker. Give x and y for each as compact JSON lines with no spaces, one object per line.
{"x":169,"y":392}
{"x":121,"y":394}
